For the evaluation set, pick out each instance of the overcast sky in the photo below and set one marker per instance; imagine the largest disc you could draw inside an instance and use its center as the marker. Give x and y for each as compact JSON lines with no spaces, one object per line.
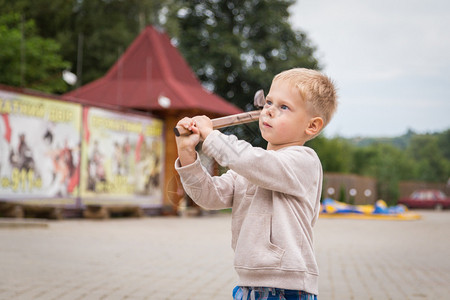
{"x":390,"y":60}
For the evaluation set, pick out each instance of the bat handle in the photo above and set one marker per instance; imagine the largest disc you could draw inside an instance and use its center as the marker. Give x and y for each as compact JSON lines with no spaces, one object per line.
{"x":226,"y":121}
{"x":181,"y":131}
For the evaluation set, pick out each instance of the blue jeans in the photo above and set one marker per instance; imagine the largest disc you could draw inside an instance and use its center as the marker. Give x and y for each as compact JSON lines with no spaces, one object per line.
{"x":265,"y":293}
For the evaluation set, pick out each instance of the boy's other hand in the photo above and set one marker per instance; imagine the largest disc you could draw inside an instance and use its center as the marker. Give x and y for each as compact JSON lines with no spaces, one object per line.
{"x":204,"y":126}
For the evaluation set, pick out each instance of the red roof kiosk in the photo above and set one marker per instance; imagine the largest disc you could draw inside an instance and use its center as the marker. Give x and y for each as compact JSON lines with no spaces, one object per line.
{"x":152,"y":76}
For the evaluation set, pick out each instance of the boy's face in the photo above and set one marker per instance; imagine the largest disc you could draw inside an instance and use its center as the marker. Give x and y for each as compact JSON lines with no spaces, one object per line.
{"x":284,"y":119}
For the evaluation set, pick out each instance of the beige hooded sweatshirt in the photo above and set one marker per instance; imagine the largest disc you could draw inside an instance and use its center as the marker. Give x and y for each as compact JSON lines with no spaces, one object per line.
{"x":275,"y":201}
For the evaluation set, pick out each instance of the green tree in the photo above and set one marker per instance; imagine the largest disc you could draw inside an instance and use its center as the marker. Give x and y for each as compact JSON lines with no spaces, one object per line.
{"x":28,"y":60}
{"x":431,"y":155}
{"x":96,"y":31}
{"x":236,"y":47}
{"x":336,"y":154}
{"x":444,"y":143}
{"x":388,"y":164}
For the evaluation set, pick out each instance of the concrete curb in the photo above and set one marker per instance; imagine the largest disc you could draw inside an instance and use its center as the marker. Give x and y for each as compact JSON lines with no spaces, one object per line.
{"x":22,"y":223}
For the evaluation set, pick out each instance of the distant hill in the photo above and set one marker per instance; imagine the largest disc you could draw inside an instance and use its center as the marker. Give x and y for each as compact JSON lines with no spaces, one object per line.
{"x":400,"y":142}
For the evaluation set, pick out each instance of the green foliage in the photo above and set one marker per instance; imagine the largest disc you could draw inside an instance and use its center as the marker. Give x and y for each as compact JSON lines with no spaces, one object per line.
{"x":424,"y":156}
{"x":410,"y":157}
{"x":236,"y":47}
{"x":106,"y":28}
{"x":27,"y":59}
{"x":444,"y":143}
{"x":335,"y":154}
{"x":342,"y":194}
{"x":431,"y":153}
{"x":400,"y":142}
{"x":383,"y":164}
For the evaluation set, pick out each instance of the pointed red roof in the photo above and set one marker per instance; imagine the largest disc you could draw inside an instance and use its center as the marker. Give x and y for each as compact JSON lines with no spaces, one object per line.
{"x":151,"y":67}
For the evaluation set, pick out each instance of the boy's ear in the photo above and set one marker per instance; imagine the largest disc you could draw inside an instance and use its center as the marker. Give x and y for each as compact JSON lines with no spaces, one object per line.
{"x":315,"y":126}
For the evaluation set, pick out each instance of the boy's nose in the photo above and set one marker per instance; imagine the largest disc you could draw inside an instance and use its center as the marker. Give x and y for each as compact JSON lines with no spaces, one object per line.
{"x":270,"y":111}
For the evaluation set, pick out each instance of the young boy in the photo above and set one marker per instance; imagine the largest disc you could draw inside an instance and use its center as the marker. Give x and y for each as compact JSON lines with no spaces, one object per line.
{"x":275,"y":193}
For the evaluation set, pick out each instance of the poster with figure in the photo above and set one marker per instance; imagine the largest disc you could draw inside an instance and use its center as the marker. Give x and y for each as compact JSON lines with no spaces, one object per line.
{"x":39,"y":149}
{"x":122,"y":157}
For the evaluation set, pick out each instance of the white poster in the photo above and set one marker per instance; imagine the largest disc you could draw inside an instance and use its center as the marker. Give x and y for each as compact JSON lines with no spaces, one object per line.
{"x":39,"y":149}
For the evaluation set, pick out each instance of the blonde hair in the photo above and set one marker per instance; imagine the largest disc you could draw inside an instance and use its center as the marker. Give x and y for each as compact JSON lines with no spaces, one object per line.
{"x":315,"y":88}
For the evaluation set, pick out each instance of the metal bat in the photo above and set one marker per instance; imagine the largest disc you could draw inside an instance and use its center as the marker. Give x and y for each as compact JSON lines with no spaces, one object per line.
{"x":231,"y":120}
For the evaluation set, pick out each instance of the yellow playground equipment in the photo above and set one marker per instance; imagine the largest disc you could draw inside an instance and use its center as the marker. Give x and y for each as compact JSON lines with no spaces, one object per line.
{"x":380,"y":211}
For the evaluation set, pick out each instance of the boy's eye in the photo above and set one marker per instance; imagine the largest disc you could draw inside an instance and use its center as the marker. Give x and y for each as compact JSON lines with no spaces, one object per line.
{"x":284,"y":107}
{"x":268,"y":102}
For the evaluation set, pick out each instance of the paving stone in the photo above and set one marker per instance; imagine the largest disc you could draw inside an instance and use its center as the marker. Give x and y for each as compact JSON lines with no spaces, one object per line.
{"x":190,"y":258}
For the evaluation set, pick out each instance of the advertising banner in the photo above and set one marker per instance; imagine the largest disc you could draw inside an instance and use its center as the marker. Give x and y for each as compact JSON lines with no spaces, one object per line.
{"x":39,"y":149}
{"x":122,"y":159}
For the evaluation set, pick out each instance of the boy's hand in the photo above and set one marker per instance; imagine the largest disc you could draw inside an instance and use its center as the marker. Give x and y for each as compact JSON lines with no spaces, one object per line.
{"x":186,"y":144}
{"x":201,"y":127}
{"x":204,"y":126}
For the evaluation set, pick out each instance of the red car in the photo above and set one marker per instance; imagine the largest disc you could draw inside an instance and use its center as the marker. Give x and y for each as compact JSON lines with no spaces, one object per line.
{"x":426,"y":199}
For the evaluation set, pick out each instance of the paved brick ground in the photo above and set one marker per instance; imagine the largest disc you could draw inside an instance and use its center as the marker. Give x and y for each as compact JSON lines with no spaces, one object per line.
{"x":190,"y":258}
{"x":372,"y":259}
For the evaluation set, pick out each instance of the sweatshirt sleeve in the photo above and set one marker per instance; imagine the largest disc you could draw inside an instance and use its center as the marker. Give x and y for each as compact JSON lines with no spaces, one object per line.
{"x":291,"y":170}
{"x":210,"y":192}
